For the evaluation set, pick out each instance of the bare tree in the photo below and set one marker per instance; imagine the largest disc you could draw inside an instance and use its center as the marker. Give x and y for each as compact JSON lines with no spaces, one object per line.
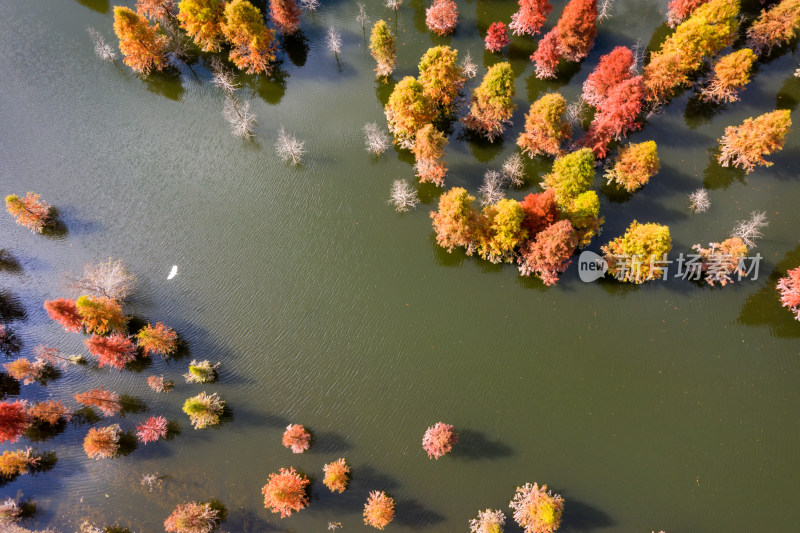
{"x":224,"y":78}
{"x":468,"y":66}
{"x":514,"y":170}
{"x":699,"y":202}
{"x":604,"y":9}
{"x":403,"y":196}
{"x":749,"y":230}
{"x":334,"y":42}
{"x":289,"y":149}
{"x":101,"y":47}
{"x":362,"y":16}
{"x":376,"y":140}
{"x":236,"y":112}
{"x":393,"y":4}
{"x":109,"y":279}
{"x":638,"y":57}
{"x":577,"y":112}
{"x":492,"y":188}
{"x":152,"y":481}
{"x":309,"y":5}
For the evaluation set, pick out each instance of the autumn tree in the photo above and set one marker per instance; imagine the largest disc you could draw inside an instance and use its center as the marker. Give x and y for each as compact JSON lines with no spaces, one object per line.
{"x":337,"y":475}
{"x":635,"y":256}
{"x":9,"y":343}
{"x":789,"y":289}
{"x":192,"y":517}
{"x":159,"y":384}
{"x":116,"y":350}
{"x":383,"y":48}
{"x":496,"y":37}
{"x":106,"y":401}
{"x":530,"y":17}
{"x":109,"y":279}
{"x":158,"y":339}
{"x":296,"y":438}
{"x":442,"y":17}
{"x":571,"y":178}
{"x":202,"y":20}
{"x":577,"y":29}
{"x":678,"y":10}
{"x":635,"y":165}
{"x":745,"y":146}
{"x":721,"y":260}
{"x":617,"y":115}
{"x":775,"y":26}
{"x":441,"y":78}
{"x":545,"y":127}
{"x":492,"y":102}
{"x":438,"y":440}
{"x":14,"y":420}
{"x":547,"y":55}
{"x":731,"y":73}
{"x":204,"y":410}
{"x":286,"y":492}
{"x":156,"y":9}
{"x":201,"y":372}
{"x":613,"y":68}
{"x":25,"y":370}
{"x":379,"y":509}
{"x":408,"y":110}
{"x":252,"y":43}
{"x":100,"y":315}
{"x":285,"y":15}
{"x":102,"y":443}
{"x":541,"y":210}
{"x":18,"y":462}
{"x":583,"y":211}
{"x":143,"y":48}
{"x":549,"y":253}
{"x":64,"y":311}
{"x":500,"y":231}
{"x":536,"y":509}
{"x":30,"y":211}
{"x":153,"y":429}
{"x":488,"y":521}
{"x":428,"y":150}
{"x":49,"y":412}
{"x":454,"y":221}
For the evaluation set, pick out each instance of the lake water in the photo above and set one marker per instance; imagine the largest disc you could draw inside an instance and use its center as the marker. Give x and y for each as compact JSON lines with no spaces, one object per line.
{"x":670,"y":406}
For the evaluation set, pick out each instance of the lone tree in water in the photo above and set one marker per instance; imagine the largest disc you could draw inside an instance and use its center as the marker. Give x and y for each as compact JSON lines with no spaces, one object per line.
{"x":102,"y":443}
{"x":158,"y":339}
{"x":635,"y":165}
{"x":337,"y":475}
{"x":789,"y":289}
{"x":153,"y":429}
{"x":442,"y":17}
{"x":731,"y":74}
{"x":204,"y":410}
{"x":286,"y":492}
{"x":496,"y":37}
{"x":536,"y":509}
{"x":488,"y":521}
{"x":65,"y":312}
{"x":635,"y":257}
{"x":202,"y":20}
{"x":296,"y":438}
{"x":192,"y":517}
{"x":383,"y":49}
{"x":438,"y":440}
{"x":252,"y":43}
{"x":775,"y":26}
{"x":286,"y":15}
{"x":492,"y":102}
{"x":531,"y":17}
{"x":721,"y":260}
{"x":29,"y":212}
{"x":745,"y":146}
{"x":379,"y":510}
{"x":143,"y":48}
{"x":428,"y":150}
{"x":14,"y":420}
{"x":545,"y":127}
{"x":106,"y":401}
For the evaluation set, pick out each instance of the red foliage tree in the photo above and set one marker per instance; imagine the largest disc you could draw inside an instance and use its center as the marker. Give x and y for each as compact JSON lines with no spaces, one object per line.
{"x":547,"y":55}
{"x":679,"y":10}
{"x":30,"y":212}
{"x":545,"y":127}
{"x":442,"y":17}
{"x":152,"y":429}
{"x":577,"y":29}
{"x":158,"y":339}
{"x":296,"y":438}
{"x":438,"y":440}
{"x":106,"y":401}
{"x":192,"y":517}
{"x":541,"y":210}
{"x":616,"y":116}
{"x":531,"y":16}
{"x":286,"y":492}
{"x":789,"y":288}
{"x":549,"y":253}
{"x":63,"y":311}
{"x":613,"y":69}
{"x":116,"y":350}
{"x":286,"y":15}
{"x":497,"y":37}
{"x":379,"y":509}
{"x":14,"y":420}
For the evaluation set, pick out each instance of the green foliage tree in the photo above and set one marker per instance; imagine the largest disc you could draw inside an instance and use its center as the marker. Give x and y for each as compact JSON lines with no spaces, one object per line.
{"x":408,"y":110}
{"x":441,"y":77}
{"x":454,"y":221}
{"x":634,"y":256}
{"x":500,"y":230}
{"x":202,"y":20}
{"x":635,"y":165}
{"x":383,"y":48}
{"x":492,"y":102}
{"x":545,"y":127}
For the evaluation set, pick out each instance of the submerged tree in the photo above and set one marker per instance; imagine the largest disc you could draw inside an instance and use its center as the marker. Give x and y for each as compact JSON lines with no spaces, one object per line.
{"x":296,"y":438}
{"x":577,"y":29}
{"x":203,"y":20}
{"x":454,"y":221}
{"x":375,"y":140}
{"x":102,"y":443}
{"x":334,"y":40}
{"x":721,"y":260}
{"x":18,"y":462}
{"x":789,"y":289}
{"x":678,"y":10}
{"x":613,"y":68}
{"x":438,"y":440}
{"x":143,"y":48}
{"x":442,"y":17}
{"x":286,"y":492}
{"x":403,"y":197}
{"x":492,"y":102}
{"x":745,"y":146}
{"x":428,"y":151}
{"x":201,"y":372}
{"x":545,"y":127}
{"x":116,"y":350}
{"x":531,"y":17}
{"x":192,"y":517}
{"x":252,"y":43}
{"x":285,"y":15}
{"x":159,"y":384}
{"x":468,"y":67}
{"x":750,"y":230}
{"x":289,"y":148}
{"x":496,"y":37}
{"x":337,"y":475}
{"x":488,"y":521}
{"x":109,"y":279}
{"x":64,"y":312}
{"x":153,"y":429}
{"x":10,"y":513}
{"x":102,"y":49}
{"x":635,"y":165}
{"x":50,"y":412}
{"x":107,"y":402}
{"x":699,"y":202}
{"x":383,"y":49}
{"x":441,"y":78}
{"x":616,"y":116}
{"x":514,"y":170}
{"x":158,"y":339}
{"x":100,"y":315}
{"x":547,"y":55}
{"x":30,"y":211}
{"x":548,"y":254}
{"x":204,"y":410}
{"x":493,"y":188}
{"x":775,"y":26}
{"x":500,"y":231}
{"x":379,"y":510}
{"x":9,"y":343}
{"x":26,"y":371}
{"x":536,"y":509}
{"x":408,"y":110}
{"x":638,"y":255}
{"x":14,"y":420}
{"x":731,"y":74}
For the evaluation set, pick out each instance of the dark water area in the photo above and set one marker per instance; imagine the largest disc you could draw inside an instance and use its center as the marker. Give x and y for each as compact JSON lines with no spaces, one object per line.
{"x":671,"y":405}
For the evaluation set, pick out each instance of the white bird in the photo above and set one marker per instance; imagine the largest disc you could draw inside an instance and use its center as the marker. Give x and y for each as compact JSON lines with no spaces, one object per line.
{"x":173,"y":272}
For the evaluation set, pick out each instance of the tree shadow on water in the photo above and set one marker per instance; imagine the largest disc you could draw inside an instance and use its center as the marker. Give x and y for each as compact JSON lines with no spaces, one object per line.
{"x":579,"y":516}
{"x":9,"y":263}
{"x":413,"y":514}
{"x":474,"y":445}
{"x":764,"y":307}
{"x":10,"y":307}
{"x":101,"y":6}
{"x":330,"y":442}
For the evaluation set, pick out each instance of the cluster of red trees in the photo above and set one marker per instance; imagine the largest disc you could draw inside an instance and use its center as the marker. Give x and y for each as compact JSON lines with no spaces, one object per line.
{"x":789,"y":288}
{"x":571,"y":39}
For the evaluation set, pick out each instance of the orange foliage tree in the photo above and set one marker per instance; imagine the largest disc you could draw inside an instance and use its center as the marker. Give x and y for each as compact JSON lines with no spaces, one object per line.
{"x":492,"y":102}
{"x":30,"y":212}
{"x":408,"y":110}
{"x":454,"y":221}
{"x":158,"y":339}
{"x":252,"y":43}
{"x":296,"y":438}
{"x":100,"y":315}
{"x":286,"y":15}
{"x":25,"y":370}
{"x":107,"y":402}
{"x":731,"y":73}
{"x":116,"y":350}
{"x":50,"y":412}
{"x":192,"y":517}
{"x":545,"y":127}
{"x":379,"y":509}
{"x":577,"y":29}
{"x":438,"y":440}
{"x":745,"y":146}
{"x":202,"y":20}
{"x":635,"y":165}
{"x":337,"y":475}
{"x":18,"y":462}
{"x":102,"y":443}
{"x":541,"y":210}
{"x":721,"y":260}
{"x":613,"y":68}
{"x":775,"y":26}
{"x":156,"y":9}
{"x":530,"y":17}
{"x":143,"y":48}
{"x":286,"y":492}
{"x":428,"y":150}
{"x":548,"y":254}
{"x":14,"y":420}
